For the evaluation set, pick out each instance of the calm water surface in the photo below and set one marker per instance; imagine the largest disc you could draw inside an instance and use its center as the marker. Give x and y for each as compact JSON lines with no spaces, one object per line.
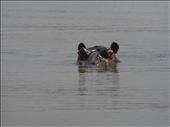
{"x":43,"y":86}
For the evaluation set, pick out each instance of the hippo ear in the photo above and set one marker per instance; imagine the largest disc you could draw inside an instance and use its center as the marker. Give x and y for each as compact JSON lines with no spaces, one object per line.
{"x":115,"y":47}
{"x":83,"y":54}
{"x":81,"y":45}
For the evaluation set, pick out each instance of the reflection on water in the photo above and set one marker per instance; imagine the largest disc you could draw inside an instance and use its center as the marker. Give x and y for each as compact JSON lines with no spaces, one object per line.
{"x":98,"y":87}
{"x":94,"y":68}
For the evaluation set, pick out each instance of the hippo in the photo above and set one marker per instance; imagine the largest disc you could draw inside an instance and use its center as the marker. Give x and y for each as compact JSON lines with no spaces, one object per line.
{"x":97,"y":55}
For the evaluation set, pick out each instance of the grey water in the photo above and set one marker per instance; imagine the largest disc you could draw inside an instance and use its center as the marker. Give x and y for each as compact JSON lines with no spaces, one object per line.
{"x":41,"y":85}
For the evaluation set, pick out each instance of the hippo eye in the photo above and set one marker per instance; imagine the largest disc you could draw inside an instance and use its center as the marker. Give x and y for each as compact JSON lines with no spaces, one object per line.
{"x":111,"y":53}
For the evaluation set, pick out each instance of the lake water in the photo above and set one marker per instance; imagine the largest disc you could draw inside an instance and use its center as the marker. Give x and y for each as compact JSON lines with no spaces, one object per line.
{"x":41,"y":85}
